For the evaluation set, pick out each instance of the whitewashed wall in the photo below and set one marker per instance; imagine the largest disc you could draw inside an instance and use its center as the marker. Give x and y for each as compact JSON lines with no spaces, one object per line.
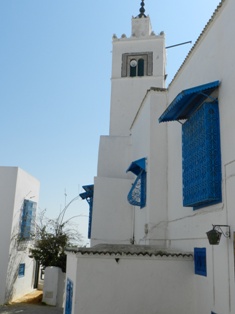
{"x":133,"y":285}
{"x":126,"y":93}
{"x":7,"y":192}
{"x":210,"y":60}
{"x":15,"y":186}
{"x":148,"y":140}
{"x":112,"y":215}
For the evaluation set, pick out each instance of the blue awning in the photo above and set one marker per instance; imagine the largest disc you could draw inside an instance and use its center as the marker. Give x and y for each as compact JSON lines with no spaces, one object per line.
{"x":89,"y":191}
{"x":137,"y":166}
{"x":186,"y":102}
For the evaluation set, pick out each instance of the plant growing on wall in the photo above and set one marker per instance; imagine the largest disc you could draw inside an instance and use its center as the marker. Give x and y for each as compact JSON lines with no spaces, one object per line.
{"x":52,"y":237}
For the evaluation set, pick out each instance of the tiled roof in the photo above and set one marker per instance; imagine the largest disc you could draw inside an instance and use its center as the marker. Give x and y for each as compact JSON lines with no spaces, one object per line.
{"x":129,"y":250}
{"x":200,"y":36}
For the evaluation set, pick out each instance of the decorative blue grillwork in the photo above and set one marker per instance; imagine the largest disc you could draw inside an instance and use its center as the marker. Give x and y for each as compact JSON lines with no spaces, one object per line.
{"x":69,"y":297}
{"x":88,"y":196}
{"x":202,"y":157}
{"x":200,"y":261}
{"x":28,"y":220}
{"x":137,"y":194}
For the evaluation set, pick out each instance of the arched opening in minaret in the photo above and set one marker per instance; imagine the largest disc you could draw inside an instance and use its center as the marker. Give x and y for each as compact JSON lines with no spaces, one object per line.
{"x":141,"y":67}
{"x":133,"y":70}
{"x":137,"y":64}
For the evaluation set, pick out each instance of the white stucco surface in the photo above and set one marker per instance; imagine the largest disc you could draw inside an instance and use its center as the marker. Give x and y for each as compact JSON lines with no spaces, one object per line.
{"x":15,"y":186}
{"x":135,"y":133}
{"x":133,"y":285}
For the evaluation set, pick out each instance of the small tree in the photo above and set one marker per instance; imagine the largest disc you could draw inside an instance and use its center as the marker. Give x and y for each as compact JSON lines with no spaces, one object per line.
{"x":52,"y":237}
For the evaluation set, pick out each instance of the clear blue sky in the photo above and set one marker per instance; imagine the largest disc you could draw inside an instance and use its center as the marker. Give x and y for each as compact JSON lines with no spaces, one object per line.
{"x":55,"y":69}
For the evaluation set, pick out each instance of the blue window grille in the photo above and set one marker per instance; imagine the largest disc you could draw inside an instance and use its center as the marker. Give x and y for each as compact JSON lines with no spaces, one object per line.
{"x":202,"y":157}
{"x":88,"y":196}
{"x":28,"y":220}
{"x":200,"y":261}
{"x":69,"y":297}
{"x":21,"y":270}
{"x":137,"y":194}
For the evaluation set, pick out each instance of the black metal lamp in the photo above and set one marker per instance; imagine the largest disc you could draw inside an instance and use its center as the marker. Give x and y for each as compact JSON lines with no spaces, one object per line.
{"x":214,"y":235}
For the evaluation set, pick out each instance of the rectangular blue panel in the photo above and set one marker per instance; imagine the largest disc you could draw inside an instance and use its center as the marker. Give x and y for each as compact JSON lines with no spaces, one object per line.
{"x":69,"y":297}
{"x":201,"y":157}
{"x":200,"y":261}
{"x":21,"y":270}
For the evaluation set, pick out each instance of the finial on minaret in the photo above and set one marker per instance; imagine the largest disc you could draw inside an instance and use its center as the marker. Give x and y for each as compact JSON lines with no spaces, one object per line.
{"x":142,"y":9}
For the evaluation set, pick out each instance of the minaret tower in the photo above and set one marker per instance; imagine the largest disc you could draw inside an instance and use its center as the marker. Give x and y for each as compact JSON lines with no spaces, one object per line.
{"x":138,"y":63}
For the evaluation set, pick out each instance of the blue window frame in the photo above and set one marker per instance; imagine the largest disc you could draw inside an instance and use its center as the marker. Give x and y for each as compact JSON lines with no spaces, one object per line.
{"x":69,"y":297}
{"x":200,"y":261}
{"x":88,"y":196}
{"x":28,"y":220}
{"x":137,"y":194}
{"x":202,"y":157}
{"x":21,"y":270}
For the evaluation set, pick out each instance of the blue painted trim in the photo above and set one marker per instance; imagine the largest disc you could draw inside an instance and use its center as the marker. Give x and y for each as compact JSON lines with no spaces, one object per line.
{"x":137,"y":166}
{"x":186,"y":102}
{"x":88,"y":196}
{"x":200,"y":267}
{"x":69,"y":297}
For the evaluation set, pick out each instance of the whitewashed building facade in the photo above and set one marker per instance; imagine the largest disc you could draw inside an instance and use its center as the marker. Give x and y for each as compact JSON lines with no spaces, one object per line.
{"x":165,"y":176}
{"x":19,"y":193}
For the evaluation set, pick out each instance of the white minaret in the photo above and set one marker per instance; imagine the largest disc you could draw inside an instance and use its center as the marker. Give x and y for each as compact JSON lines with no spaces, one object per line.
{"x":138,"y":63}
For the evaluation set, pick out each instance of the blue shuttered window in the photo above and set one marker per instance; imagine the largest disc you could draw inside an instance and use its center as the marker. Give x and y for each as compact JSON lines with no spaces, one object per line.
{"x":200,"y":261}
{"x":137,"y":194}
{"x":28,"y":220}
{"x":202,"y":157}
{"x":69,"y":297}
{"x":88,"y":195}
{"x":21,"y":270}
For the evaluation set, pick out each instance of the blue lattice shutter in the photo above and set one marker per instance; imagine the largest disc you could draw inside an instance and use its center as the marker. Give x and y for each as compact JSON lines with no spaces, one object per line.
{"x":69,"y":297}
{"x":137,"y":194}
{"x":202,"y":157}
{"x":200,"y":261}
{"x":28,"y":219}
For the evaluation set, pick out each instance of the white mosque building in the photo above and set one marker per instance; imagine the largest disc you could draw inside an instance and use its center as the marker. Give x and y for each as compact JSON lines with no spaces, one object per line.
{"x":162,"y":215}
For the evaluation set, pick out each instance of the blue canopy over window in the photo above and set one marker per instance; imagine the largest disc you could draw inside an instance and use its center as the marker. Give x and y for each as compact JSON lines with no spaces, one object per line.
{"x":186,"y":102}
{"x":137,"y":166}
{"x":89,"y":191}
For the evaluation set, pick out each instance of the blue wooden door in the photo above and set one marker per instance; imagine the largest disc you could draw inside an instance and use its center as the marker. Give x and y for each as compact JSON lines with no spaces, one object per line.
{"x":69,"y":297}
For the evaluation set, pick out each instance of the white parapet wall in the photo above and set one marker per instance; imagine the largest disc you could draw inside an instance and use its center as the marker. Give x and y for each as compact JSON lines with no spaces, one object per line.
{"x":53,"y":290}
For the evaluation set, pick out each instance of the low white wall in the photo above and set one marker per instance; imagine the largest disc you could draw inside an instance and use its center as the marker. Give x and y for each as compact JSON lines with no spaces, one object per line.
{"x":54,"y":284}
{"x":133,"y":285}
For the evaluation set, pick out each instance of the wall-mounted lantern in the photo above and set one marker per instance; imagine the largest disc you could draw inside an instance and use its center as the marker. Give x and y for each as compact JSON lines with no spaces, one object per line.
{"x":214,"y":235}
